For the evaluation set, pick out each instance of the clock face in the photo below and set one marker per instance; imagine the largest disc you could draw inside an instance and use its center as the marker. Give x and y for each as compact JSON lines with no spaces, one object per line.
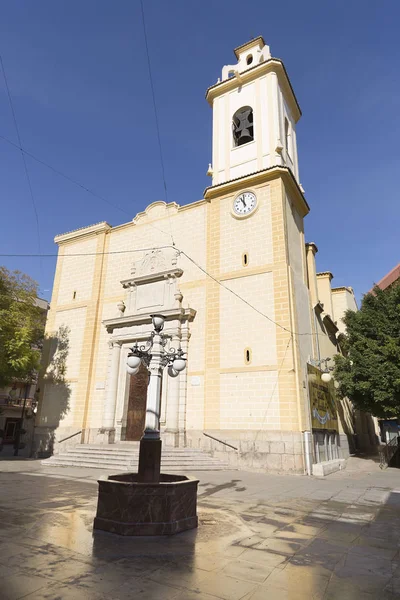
{"x":244,"y":204}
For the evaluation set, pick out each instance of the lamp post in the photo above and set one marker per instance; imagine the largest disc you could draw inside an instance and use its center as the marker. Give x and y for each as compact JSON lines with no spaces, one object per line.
{"x":155,"y":358}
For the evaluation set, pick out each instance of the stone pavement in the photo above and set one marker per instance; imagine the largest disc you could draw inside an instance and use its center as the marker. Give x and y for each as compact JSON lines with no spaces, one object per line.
{"x":260,"y":536}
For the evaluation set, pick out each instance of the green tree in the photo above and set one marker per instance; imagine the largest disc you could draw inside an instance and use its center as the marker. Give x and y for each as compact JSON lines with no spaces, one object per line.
{"x":369,"y":371}
{"x":21,"y":327}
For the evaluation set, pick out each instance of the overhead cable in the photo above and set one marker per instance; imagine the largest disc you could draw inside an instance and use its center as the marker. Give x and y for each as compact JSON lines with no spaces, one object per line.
{"x":22,"y":153}
{"x":202,"y":269}
{"x":153,"y":95}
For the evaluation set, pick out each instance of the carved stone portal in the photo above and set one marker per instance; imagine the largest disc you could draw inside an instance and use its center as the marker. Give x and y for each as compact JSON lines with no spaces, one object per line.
{"x":153,"y":284}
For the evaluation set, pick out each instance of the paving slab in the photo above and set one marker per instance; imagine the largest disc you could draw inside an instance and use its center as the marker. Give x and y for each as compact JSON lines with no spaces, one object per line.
{"x":260,"y":536}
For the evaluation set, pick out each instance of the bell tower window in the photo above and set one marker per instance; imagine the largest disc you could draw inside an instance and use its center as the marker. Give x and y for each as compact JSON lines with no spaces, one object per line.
{"x":242,"y":125}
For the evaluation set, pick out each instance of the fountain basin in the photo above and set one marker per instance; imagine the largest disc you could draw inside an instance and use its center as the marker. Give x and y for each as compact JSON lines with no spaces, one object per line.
{"x":128,"y":507}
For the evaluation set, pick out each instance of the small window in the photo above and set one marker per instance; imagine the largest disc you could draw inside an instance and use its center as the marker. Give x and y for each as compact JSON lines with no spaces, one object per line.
{"x":287,"y":136}
{"x":245,"y":259}
{"x":242,"y":126}
{"x":231,"y":74}
{"x":249,"y":59}
{"x":247,"y":356}
{"x":74,"y":296}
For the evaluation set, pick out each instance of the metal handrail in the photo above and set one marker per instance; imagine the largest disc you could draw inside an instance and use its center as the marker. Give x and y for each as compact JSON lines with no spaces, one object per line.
{"x":387,"y":452}
{"x":69,"y":437}
{"x":220,"y":441}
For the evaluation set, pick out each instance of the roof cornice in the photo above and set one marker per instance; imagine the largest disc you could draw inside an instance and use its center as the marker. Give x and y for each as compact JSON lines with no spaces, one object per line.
{"x":82,"y":232}
{"x":343,"y":288}
{"x":325,"y":274}
{"x":272,"y":65}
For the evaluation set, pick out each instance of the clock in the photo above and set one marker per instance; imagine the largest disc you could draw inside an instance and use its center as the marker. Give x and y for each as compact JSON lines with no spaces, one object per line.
{"x":244,"y":204}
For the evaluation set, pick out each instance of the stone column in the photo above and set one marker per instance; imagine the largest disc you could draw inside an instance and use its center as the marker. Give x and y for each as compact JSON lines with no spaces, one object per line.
{"x":183,"y":382}
{"x":111,"y":398}
{"x":172,"y":415}
{"x":172,"y":419}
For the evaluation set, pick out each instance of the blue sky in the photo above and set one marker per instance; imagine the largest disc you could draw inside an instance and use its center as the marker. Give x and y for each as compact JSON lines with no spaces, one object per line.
{"x":78,"y":75}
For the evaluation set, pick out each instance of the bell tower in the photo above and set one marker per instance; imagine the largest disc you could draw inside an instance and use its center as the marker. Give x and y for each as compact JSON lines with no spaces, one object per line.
{"x":255,"y":249}
{"x":255,"y":113}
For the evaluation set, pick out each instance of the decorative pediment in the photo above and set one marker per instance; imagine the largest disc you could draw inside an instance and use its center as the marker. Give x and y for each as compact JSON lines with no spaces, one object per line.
{"x":156,"y":264}
{"x":156,"y":210}
{"x":153,"y":284}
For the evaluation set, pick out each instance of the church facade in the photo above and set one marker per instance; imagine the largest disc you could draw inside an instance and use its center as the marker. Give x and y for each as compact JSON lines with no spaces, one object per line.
{"x":238,"y":288}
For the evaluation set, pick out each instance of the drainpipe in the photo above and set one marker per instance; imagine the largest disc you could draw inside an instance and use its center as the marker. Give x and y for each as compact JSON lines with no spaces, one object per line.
{"x":307,"y":453}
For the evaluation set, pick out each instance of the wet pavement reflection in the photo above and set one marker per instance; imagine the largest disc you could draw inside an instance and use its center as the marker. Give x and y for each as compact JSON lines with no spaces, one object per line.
{"x":342,"y":546}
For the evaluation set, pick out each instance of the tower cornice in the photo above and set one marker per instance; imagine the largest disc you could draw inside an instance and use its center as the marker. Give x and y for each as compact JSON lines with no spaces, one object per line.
{"x":258,"y":177}
{"x":272,"y":65}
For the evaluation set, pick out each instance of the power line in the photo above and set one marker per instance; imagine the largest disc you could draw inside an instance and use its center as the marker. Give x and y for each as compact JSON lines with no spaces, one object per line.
{"x":67,"y":177}
{"x":71,"y":180}
{"x":274,"y":388}
{"x":265,"y":316}
{"x":22,"y":153}
{"x":155,"y":111}
{"x":55,"y":255}
{"x":237,"y":295}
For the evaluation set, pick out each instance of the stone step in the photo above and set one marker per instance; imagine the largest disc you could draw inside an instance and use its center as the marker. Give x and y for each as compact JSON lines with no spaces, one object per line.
{"x":126,"y":457}
{"x":119,"y":456}
{"x":112,"y":461}
{"x":177,"y":463}
{"x":118,"y":450}
{"x":66,"y":457}
{"x":126,"y":467}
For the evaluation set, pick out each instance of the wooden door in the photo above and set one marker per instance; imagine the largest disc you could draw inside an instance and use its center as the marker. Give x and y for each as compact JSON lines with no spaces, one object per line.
{"x":137,"y":404}
{"x":10,"y":430}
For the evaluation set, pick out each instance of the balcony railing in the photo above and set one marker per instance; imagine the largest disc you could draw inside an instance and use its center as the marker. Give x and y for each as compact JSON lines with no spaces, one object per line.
{"x":387,"y":452}
{"x":15,"y":402}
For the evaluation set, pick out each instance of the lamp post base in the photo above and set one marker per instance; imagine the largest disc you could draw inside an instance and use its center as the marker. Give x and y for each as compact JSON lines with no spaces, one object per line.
{"x":149,"y":460}
{"x":127,"y":506}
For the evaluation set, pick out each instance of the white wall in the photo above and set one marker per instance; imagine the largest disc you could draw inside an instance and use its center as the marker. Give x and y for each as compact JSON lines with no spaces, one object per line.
{"x":71,"y":273}
{"x":229,"y":161}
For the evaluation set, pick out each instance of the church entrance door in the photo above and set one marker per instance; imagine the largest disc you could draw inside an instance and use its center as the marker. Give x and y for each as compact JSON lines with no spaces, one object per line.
{"x":137,"y":404}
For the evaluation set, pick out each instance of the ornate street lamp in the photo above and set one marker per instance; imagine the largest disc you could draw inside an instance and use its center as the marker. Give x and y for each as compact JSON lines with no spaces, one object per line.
{"x":155,"y":358}
{"x":147,"y":503}
{"x":326,"y":376}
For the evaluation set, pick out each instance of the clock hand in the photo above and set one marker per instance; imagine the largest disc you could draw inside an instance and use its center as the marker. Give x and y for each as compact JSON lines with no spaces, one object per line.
{"x":244,"y":202}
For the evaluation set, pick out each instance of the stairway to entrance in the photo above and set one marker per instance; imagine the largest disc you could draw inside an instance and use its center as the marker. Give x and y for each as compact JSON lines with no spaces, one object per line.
{"x":124,"y":456}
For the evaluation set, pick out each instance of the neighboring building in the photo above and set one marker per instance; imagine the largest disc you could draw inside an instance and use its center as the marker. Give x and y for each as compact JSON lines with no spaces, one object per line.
{"x":12,"y":399}
{"x":328,"y":306}
{"x":390,"y":279}
{"x":248,"y":351}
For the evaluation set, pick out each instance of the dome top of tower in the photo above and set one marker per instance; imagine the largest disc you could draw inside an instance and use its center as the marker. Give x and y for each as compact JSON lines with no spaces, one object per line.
{"x":248,"y":55}
{"x":257,"y":42}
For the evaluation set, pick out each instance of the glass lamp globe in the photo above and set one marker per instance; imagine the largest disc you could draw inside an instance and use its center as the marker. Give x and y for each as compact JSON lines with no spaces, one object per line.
{"x":172,"y":372}
{"x":158,"y":322}
{"x":179,"y":364}
{"x":131,"y":371}
{"x":326,"y":377}
{"x":133,"y":361}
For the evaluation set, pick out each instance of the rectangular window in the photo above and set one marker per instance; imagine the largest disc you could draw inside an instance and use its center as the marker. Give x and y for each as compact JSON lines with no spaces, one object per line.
{"x":288,"y":138}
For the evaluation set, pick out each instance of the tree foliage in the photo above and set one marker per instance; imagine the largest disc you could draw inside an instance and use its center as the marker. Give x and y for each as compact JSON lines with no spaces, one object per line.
{"x":369,"y":371}
{"x":59,"y":349}
{"x":21,"y":327}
